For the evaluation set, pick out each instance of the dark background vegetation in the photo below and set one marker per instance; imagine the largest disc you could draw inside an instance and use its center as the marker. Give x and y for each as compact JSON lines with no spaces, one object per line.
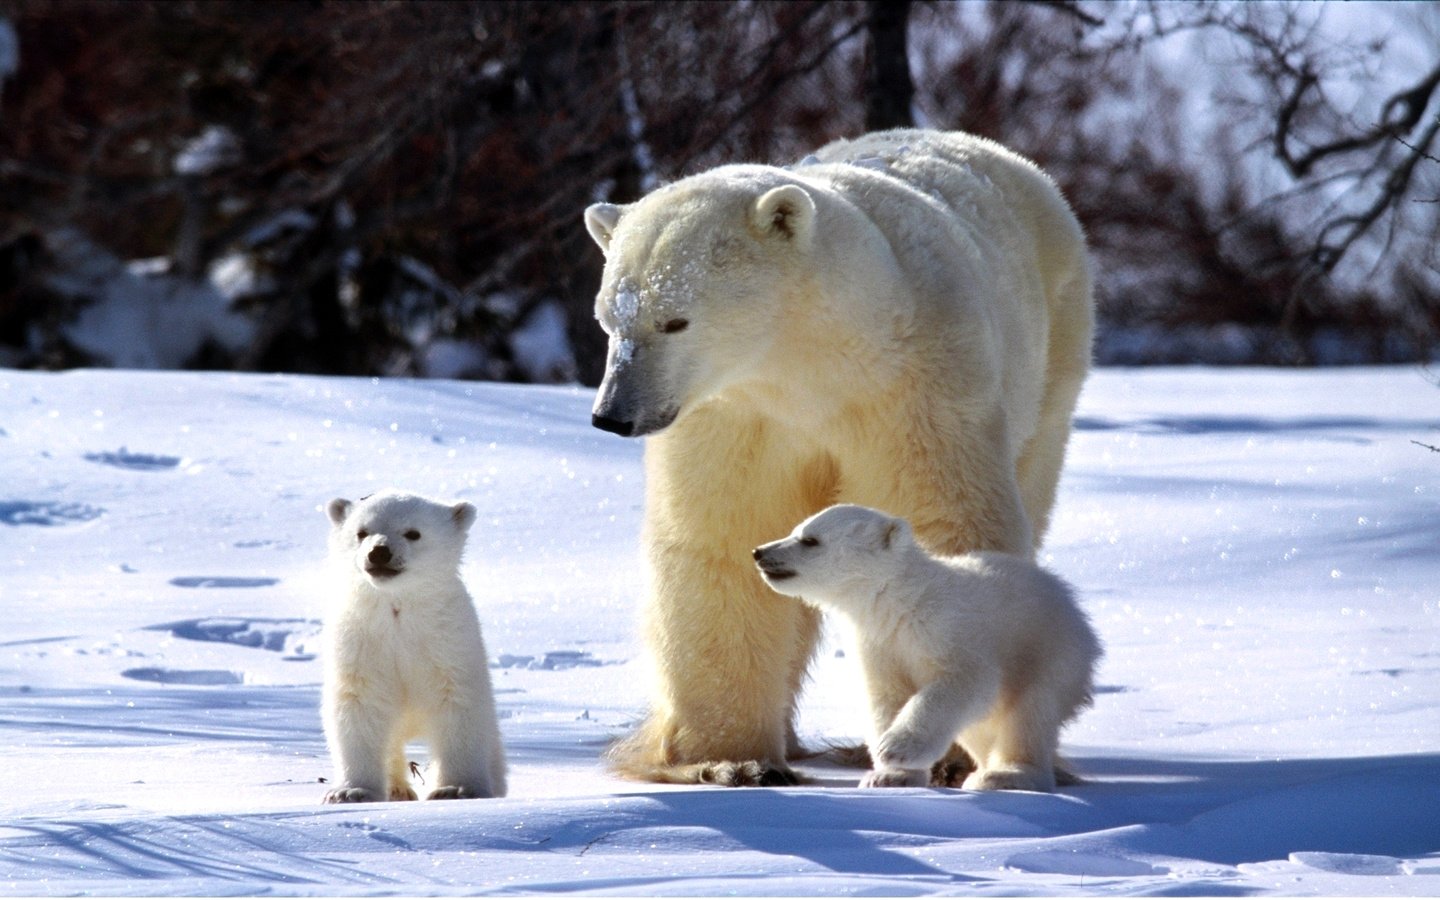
{"x":404,"y":174}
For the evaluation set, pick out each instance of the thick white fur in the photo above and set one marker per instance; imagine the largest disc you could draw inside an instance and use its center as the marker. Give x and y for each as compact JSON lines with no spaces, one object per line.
{"x":404,"y":657}
{"x":986,"y":649}
{"x":904,"y":323}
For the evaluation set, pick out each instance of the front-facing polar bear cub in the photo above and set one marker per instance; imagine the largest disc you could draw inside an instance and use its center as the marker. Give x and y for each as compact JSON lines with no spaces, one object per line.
{"x":986,"y":649}
{"x":404,"y":657}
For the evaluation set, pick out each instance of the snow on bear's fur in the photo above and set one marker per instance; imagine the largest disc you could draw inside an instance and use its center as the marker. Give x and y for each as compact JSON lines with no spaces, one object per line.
{"x":403,"y":653}
{"x":985,"y":649}
{"x":903,"y":321}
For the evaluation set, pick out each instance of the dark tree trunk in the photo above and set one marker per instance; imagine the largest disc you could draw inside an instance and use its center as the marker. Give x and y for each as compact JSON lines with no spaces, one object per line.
{"x":888,"y":89}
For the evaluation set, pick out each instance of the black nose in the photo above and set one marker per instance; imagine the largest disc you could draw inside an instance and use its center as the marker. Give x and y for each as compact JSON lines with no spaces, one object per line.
{"x":757,"y":553}
{"x":614,"y":426}
{"x":379,"y":554}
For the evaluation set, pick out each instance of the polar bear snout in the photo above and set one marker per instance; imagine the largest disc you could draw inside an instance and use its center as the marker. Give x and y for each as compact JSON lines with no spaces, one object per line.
{"x":774,"y":567}
{"x":614,"y":426}
{"x":380,"y":563}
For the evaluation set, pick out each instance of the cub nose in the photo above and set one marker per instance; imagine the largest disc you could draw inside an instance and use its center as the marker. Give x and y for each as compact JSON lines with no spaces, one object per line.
{"x":379,"y":554}
{"x":758,"y":553}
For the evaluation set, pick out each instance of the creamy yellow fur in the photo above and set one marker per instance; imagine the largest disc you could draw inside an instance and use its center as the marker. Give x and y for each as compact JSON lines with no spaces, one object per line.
{"x":904,"y":323}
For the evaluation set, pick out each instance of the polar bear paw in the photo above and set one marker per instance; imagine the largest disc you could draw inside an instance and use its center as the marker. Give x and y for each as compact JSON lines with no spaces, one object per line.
{"x":749,"y":773}
{"x":889,"y":778}
{"x":402,"y":792}
{"x":458,"y":792}
{"x":351,"y":795}
{"x":904,"y":750}
{"x":1020,"y":778}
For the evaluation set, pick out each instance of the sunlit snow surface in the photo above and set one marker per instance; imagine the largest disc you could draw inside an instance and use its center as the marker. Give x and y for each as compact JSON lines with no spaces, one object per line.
{"x":1260,"y":552}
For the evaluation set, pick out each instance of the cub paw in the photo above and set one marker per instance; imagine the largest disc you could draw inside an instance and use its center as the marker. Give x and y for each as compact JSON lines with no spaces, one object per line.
{"x":403,"y":792}
{"x":457,"y":792}
{"x":1023,"y":778}
{"x":891,"y":778}
{"x":350,"y":795}
{"x":953,"y":769}
{"x":901,"y":751}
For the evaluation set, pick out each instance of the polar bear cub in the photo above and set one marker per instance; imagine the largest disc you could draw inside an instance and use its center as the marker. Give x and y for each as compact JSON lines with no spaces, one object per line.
{"x":985,"y":649}
{"x":404,"y":657}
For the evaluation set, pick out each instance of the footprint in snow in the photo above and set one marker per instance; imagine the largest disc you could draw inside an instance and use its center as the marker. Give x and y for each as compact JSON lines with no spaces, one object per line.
{"x":553,"y":661}
{"x":293,"y":637}
{"x":137,"y":462}
{"x":201,"y":677}
{"x":221,"y":581}
{"x":46,"y":513}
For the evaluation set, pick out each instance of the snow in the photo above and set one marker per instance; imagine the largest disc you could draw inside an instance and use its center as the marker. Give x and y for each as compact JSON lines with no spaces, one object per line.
{"x":216,"y":148}
{"x":1258,"y":550}
{"x":136,"y":315}
{"x":541,"y":346}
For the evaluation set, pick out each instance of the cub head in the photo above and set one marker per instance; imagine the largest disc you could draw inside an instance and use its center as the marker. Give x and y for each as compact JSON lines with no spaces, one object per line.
{"x":394,"y":540}
{"x":837,"y":557}
{"x":694,"y":288}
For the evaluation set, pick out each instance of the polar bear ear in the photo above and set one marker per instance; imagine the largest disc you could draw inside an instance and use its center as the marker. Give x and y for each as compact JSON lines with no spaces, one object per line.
{"x":464,"y":515}
{"x":338,"y":510}
{"x":892,"y":529}
{"x":600,"y":221}
{"x":786,"y":211}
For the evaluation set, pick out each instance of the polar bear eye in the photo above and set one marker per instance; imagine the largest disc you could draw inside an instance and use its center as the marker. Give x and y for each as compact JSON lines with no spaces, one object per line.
{"x":412,"y":535}
{"x":361,"y":535}
{"x":809,"y":542}
{"x":675,"y":326}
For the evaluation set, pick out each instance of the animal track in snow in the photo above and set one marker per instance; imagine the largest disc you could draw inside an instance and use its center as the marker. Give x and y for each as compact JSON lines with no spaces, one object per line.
{"x":138,"y":462}
{"x":221,"y":581}
{"x":203,"y":677}
{"x":292,"y":637}
{"x":46,"y":513}
{"x":552,"y":661}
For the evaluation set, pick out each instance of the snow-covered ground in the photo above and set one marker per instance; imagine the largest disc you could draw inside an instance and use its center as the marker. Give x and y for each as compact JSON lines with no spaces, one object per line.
{"x":1259,"y":551}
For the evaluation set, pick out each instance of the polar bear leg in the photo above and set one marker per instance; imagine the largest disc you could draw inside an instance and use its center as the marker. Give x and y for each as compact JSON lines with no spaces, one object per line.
{"x":1067,"y":363}
{"x":463,"y":745}
{"x":980,"y":507}
{"x":360,"y":737}
{"x":929,"y":721}
{"x":729,"y":655}
{"x":733,"y":714}
{"x":1022,"y":754}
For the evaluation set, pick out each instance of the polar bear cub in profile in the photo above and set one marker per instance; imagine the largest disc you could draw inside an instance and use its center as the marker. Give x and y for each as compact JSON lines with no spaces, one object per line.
{"x":404,"y":657}
{"x":985,"y":649}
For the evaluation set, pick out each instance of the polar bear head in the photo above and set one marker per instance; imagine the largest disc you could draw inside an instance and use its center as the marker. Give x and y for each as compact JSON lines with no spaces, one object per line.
{"x":694,"y":289}
{"x":396,"y":541}
{"x":838,"y":557}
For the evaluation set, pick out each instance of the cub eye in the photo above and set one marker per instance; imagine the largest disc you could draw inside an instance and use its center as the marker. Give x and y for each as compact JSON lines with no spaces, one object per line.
{"x":361,"y":535}
{"x":809,"y":542}
{"x":412,"y":535}
{"x":675,"y":326}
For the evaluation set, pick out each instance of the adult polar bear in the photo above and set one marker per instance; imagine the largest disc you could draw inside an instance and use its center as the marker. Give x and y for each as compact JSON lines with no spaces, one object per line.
{"x":901,"y":321}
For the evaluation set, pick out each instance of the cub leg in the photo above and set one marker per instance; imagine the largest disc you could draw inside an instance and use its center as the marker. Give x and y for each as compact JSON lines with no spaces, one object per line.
{"x":1022,"y":756}
{"x":359,"y":738}
{"x":927,"y":724}
{"x":461,"y":747}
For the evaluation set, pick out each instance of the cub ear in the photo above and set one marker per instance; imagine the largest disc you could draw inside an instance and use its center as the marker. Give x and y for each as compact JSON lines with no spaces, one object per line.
{"x":787,"y":211}
{"x":892,"y":528}
{"x":600,"y":221}
{"x":464,"y":515}
{"x":338,"y":510}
